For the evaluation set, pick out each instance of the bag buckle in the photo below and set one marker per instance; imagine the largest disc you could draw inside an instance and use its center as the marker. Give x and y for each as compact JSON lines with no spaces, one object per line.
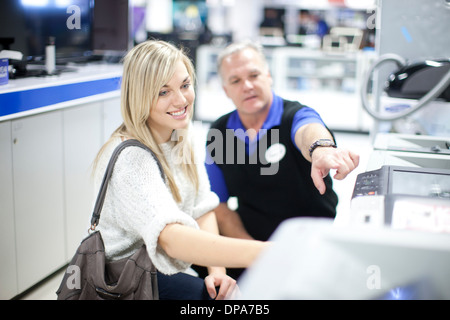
{"x":92,"y":228}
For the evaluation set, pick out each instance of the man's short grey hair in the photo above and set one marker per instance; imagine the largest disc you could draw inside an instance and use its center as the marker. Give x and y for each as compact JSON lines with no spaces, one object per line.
{"x":238,"y":47}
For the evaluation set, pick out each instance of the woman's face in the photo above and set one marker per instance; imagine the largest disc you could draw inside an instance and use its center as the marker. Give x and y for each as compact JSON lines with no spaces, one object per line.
{"x":174,"y":107}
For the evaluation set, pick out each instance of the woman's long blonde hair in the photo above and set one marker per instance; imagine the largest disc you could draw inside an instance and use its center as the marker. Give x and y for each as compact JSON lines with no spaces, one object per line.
{"x":146,"y":69}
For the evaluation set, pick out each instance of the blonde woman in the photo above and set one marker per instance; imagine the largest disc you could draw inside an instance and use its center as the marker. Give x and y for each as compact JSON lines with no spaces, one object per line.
{"x":175,"y":217}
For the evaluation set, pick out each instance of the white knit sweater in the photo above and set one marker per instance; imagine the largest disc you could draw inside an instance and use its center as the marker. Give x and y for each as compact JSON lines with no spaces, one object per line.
{"x":139,"y":204}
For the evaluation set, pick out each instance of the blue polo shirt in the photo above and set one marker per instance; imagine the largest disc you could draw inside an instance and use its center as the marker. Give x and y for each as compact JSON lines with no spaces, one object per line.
{"x":304,"y":116}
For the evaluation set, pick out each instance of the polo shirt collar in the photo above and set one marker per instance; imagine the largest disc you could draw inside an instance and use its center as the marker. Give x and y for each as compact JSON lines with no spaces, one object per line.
{"x":273,"y":117}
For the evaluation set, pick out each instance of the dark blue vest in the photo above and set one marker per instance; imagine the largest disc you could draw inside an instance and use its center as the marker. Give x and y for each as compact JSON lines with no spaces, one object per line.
{"x":270,"y":192}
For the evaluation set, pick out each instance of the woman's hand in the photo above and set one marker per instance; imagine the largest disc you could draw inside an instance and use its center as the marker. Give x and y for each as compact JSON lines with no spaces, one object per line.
{"x":228,"y":288}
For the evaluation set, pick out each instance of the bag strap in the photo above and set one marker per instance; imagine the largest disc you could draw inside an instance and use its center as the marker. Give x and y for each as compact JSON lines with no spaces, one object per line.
{"x":108,"y":173}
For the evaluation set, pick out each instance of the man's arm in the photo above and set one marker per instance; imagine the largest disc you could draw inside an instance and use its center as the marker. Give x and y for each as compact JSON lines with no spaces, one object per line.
{"x":324,"y":159}
{"x":230,"y":224}
{"x":229,"y":221}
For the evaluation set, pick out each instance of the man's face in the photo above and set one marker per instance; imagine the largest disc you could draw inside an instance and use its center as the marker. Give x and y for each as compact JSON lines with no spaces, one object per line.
{"x":247,"y":82}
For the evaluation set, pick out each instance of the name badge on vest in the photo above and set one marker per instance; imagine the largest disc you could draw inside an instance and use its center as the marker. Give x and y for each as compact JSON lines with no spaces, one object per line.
{"x":275,"y":153}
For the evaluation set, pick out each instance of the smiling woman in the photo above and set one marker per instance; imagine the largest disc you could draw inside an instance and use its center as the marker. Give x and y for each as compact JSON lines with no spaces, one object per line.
{"x":174,"y":216}
{"x":155,"y":81}
{"x":173,"y":109}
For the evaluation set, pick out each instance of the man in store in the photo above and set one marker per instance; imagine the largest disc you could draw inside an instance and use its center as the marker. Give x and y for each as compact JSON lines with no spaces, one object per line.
{"x":289,"y":152}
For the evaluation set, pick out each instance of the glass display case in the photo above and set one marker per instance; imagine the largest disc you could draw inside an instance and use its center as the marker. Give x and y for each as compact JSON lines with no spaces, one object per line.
{"x":329,"y":82}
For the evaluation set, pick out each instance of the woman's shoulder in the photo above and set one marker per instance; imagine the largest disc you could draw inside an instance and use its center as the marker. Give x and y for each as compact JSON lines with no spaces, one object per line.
{"x":137,"y":156}
{"x":197,"y":138}
{"x":132,"y":157}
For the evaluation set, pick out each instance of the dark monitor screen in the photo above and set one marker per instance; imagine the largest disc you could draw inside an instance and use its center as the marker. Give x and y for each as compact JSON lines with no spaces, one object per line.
{"x":416,"y":183}
{"x":32,"y":22}
{"x":111,"y":30}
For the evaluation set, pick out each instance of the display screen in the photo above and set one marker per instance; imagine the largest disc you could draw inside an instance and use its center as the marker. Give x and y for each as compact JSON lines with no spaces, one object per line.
{"x":421,"y":289}
{"x":110,"y":27}
{"x":420,"y":184}
{"x":32,"y":22}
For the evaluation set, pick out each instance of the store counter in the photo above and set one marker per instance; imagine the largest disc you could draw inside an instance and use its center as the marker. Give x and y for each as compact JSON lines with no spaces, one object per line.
{"x":34,"y":95}
{"x":394,"y":244}
{"x":51,"y":129}
{"x":313,"y":259}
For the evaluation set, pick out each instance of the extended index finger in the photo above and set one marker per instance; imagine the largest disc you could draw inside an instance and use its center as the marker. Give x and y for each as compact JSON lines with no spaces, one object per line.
{"x":317,"y":176}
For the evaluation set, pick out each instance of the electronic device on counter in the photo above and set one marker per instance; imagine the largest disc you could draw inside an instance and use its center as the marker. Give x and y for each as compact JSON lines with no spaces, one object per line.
{"x":27,"y":26}
{"x":403,"y":198}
